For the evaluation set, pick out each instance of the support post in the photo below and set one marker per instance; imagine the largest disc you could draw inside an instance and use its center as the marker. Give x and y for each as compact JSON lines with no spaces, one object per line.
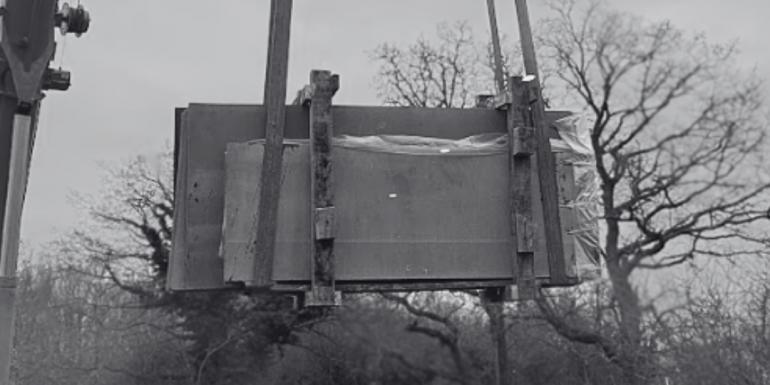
{"x":9,"y":249}
{"x":272,"y":161}
{"x":546,"y":165}
{"x":323,"y":85}
{"x":493,"y":299}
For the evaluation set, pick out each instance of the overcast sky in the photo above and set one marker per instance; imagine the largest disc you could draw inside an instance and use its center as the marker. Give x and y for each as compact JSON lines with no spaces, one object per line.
{"x":142,"y":58}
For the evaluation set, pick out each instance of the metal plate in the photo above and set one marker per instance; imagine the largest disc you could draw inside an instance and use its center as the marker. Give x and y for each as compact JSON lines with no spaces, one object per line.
{"x":205,"y":131}
{"x":399,"y":217}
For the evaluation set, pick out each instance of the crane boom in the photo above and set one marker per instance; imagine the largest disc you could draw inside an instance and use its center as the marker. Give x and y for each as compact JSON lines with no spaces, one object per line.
{"x":27,"y":47}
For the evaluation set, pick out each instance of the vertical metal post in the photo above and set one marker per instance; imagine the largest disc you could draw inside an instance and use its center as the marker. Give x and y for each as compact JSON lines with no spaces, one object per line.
{"x":9,"y":249}
{"x":494,"y":305}
{"x":497,"y":53}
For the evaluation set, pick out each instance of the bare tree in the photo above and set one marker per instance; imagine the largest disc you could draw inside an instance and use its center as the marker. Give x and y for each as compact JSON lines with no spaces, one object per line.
{"x":449,"y":72}
{"x":430,"y":320}
{"x":720,"y":336}
{"x":75,"y":329}
{"x":129,"y":229}
{"x":125,"y":243}
{"x":676,"y":132}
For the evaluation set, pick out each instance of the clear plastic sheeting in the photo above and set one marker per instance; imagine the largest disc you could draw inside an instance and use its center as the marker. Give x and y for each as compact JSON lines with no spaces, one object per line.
{"x":483,"y":144}
{"x":576,"y":151}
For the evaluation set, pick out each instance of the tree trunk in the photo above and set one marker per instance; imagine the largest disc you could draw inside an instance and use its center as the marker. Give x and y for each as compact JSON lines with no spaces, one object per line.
{"x":632,"y":358}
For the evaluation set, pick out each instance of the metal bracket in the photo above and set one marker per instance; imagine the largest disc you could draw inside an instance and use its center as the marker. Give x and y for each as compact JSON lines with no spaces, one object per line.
{"x":324,"y":223}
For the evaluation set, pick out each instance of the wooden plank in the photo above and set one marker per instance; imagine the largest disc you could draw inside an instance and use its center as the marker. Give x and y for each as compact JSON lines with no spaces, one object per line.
{"x":403,"y":286}
{"x":275,"y":103}
{"x":205,"y":131}
{"x":398,"y":286}
{"x":522,"y":218}
{"x":546,"y":168}
{"x":321,"y":293}
{"x":565,"y":180}
{"x":549,"y":193}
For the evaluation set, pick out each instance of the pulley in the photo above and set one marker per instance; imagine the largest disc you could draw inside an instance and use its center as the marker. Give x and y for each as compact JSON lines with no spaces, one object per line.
{"x":73,"y":19}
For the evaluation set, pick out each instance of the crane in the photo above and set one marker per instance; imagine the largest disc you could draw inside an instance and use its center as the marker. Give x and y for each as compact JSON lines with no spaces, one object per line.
{"x":27,"y":47}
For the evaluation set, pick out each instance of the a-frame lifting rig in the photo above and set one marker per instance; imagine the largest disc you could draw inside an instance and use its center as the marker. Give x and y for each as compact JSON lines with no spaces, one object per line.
{"x":529,"y":146}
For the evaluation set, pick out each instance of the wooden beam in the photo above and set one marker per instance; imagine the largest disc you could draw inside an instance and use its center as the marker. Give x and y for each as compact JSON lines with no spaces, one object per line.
{"x":546,"y":165}
{"x":496,"y":51}
{"x":275,"y":103}
{"x":323,"y":85}
{"x":396,"y":286}
{"x":522,"y":218}
{"x":549,"y":190}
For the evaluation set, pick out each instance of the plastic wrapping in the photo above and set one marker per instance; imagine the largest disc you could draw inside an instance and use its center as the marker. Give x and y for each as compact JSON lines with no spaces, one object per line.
{"x":577,"y":152}
{"x":483,"y":144}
